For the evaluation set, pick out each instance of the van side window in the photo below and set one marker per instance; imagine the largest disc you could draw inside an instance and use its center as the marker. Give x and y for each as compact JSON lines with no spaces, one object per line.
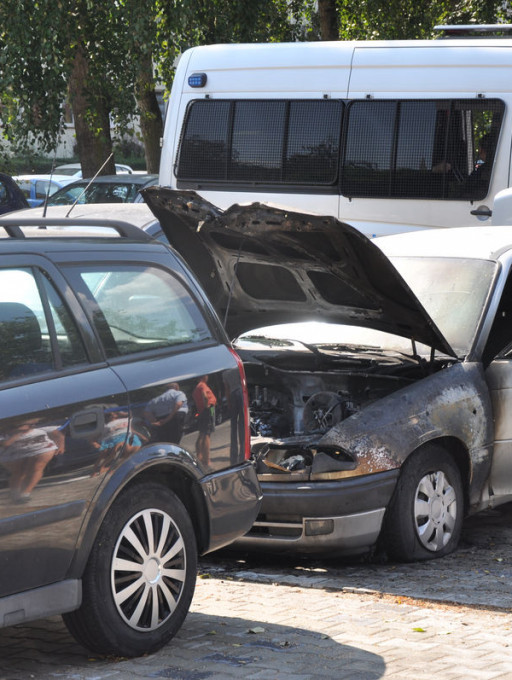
{"x":261,"y":141}
{"x":391,"y":148}
{"x":420,"y":149}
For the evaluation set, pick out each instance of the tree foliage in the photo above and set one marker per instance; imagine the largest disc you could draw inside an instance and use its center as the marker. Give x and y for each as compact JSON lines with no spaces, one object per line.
{"x":104,"y":57}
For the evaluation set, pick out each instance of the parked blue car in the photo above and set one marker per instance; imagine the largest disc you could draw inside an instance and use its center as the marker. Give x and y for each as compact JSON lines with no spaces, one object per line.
{"x":35,"y":187}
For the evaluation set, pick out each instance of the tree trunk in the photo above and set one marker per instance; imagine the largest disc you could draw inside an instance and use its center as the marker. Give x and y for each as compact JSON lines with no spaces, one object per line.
{"x":93,"y":139}
{"x":328,"y":18}
{"x":151,"y":123}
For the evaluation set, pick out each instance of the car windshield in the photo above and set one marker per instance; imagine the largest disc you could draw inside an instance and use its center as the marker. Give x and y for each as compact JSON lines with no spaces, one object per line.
{"x":452,"y":290}
{"x":104,"y":192}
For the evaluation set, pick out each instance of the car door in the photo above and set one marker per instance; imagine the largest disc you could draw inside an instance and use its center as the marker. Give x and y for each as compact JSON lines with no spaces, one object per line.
{"x":158,"y":339}
{"x":56,"y":394}
{"x":499,"y":379}
{"x":497,"y":357}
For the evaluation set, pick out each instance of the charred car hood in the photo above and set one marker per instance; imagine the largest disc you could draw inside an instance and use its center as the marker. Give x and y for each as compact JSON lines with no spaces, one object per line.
{"x":262,"y":265}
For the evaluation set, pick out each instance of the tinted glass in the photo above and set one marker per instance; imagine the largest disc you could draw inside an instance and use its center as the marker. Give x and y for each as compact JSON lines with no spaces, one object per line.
{"x":204,"y":146}
{"x":100,"y":192}
{"x":440,"y":149}
{"x":138,"y":308}
{"x":4,"y":194}
{"x":257,"y":141}
{"x":261,"y":141}
{"x":24,"y":185}
{"x":312,"y":151}
{"x":368,"y":151}
{"x":69,"y":343}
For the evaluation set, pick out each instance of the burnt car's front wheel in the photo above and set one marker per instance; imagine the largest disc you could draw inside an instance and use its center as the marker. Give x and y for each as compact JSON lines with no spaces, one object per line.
{"x":424,"y":519}
{"x":140,"y":577}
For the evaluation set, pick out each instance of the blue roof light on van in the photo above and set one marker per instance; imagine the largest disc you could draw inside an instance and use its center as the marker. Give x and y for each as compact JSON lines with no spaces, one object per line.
{"x":197,"y":80}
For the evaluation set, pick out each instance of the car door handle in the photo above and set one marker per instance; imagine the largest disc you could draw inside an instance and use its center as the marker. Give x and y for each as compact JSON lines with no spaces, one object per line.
{"x":87,"y":423}
{"x":482,"y":212}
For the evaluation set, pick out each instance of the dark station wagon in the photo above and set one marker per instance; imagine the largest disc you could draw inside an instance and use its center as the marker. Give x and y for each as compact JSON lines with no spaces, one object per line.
{"x":118,"y":464}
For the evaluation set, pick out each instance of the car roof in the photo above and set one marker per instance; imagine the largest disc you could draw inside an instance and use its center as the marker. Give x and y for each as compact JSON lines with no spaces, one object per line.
{"x":55,"y":177}
{"x":466,"y":242}
{"x":29,"y":229}
{"x":138,"y":214}
{"x":121,"y":178}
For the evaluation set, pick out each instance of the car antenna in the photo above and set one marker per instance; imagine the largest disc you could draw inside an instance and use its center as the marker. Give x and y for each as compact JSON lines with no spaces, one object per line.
{"x":90,"y":182}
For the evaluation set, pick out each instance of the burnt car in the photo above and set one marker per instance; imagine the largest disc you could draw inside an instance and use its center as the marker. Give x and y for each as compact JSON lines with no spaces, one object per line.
{"x":394,"y":426}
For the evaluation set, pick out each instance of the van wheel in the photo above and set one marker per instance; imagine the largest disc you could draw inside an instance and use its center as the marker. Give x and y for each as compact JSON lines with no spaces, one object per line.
{"x":424,"y":518}
{"x":140,"y":577}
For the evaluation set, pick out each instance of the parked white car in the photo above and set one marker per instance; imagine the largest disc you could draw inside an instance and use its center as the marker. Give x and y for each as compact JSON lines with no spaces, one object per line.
{"x":74,"y":170}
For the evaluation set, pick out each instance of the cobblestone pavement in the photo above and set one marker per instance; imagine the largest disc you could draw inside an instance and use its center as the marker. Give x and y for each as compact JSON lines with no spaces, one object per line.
{"x":449,"y":619}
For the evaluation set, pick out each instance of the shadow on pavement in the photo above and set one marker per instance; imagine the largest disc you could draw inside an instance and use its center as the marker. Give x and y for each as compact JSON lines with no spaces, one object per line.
{"x":208,"y":646}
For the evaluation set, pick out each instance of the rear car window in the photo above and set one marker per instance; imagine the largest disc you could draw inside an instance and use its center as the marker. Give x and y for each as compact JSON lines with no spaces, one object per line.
{"x":137,"y":308}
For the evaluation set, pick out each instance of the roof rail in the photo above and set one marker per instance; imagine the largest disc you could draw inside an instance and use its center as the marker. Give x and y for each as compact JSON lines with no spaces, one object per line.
{"x":474,"y":30}
{"x":14,"y":226}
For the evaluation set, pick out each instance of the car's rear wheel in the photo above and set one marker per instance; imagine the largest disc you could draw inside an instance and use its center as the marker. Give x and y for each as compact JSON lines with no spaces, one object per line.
{"x":424,"y":518}
{"x":140,"y":576}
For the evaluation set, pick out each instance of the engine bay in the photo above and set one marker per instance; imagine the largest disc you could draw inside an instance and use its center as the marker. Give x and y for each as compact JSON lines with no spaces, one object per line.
{"x":295,"y":398}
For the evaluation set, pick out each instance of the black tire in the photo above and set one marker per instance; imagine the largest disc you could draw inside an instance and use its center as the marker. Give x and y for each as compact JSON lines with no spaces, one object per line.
{"x":127,"y":612}
{"x":424,"y":518}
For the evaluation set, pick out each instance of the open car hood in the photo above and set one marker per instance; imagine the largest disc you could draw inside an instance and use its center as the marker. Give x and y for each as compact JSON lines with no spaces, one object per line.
{"x":261,"y":265}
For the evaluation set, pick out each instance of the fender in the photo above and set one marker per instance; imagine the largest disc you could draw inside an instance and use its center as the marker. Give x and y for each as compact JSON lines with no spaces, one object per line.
{"x":149,"y":456}
{"x":454,"y":402}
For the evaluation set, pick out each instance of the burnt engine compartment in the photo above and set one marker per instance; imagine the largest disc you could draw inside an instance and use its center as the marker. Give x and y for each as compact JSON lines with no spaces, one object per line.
{"x":294,"y":398}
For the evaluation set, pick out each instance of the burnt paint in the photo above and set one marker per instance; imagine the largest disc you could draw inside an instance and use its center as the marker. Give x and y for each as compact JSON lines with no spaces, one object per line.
{"x":454,"y":402}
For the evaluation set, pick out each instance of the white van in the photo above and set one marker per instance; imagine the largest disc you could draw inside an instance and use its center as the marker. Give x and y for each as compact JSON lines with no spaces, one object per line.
{"x":383,"y":135}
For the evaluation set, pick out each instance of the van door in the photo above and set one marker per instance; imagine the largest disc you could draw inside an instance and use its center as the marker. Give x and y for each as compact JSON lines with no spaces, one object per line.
{"x":416,"y":127}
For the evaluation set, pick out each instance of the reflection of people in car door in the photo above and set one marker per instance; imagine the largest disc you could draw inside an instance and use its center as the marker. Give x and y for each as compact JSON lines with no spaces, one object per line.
{"x":166,"y":414}
{"x":117,"y":440}
{"x":25,"y":453}
{"x":205,"y":401}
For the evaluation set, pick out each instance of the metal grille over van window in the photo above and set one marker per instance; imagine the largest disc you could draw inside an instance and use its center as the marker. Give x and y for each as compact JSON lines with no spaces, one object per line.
{"x":425,"y":149}
{"x":263,"y":141}
{"x":438,"y":149}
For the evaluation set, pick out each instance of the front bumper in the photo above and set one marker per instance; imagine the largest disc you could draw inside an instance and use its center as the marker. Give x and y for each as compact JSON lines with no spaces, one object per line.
{"x":233,"y":499}
{"x":342,"y":517}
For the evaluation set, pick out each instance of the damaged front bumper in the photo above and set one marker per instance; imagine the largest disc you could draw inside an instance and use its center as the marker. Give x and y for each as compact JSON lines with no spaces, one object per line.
{"x":342,"y":517}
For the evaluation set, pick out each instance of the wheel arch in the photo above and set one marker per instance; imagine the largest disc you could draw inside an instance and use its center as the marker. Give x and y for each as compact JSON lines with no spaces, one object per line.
{"x":170,"y":473}
{"x":459,"y":453}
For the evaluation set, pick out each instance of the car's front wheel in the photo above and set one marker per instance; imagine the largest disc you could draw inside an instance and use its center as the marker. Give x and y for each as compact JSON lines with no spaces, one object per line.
{"x":424,"y":518}
{"x":140,"y":576}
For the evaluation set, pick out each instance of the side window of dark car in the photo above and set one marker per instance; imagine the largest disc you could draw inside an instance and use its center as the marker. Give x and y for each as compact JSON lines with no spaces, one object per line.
{"x":4,"y":194}
{"x":37,"y":334}
{"x":137,"y":308}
